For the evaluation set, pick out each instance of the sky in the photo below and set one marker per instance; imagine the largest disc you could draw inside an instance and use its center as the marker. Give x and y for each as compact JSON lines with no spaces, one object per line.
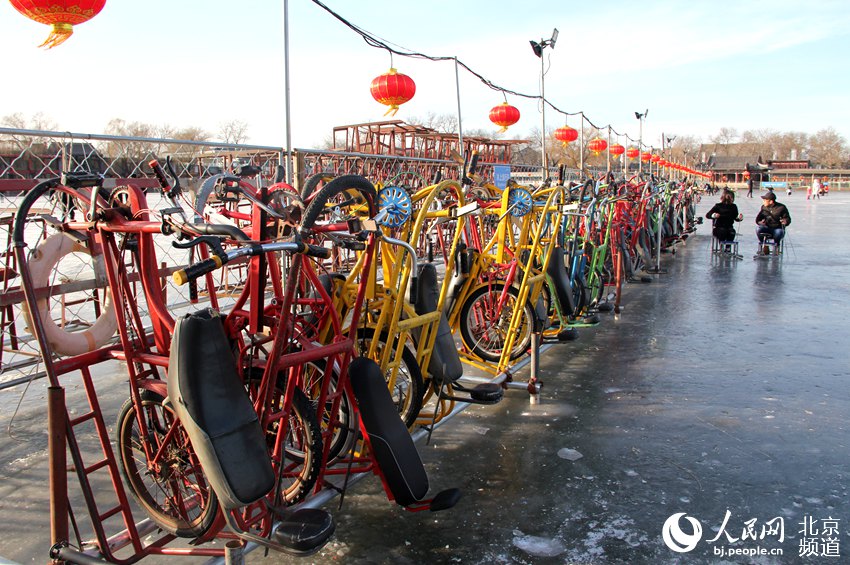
{"x":697,"y":66}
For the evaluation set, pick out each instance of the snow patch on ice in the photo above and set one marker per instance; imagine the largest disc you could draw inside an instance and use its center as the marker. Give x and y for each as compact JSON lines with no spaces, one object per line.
{"x":569,"y":454}
{"x":538,"y":546}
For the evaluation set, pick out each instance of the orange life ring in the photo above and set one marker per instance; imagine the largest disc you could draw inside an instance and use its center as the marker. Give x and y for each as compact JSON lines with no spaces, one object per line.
{"x":44,"y":259}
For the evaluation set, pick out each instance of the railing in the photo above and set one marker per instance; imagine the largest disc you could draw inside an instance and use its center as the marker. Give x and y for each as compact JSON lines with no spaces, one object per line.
{"x":29,"y":156}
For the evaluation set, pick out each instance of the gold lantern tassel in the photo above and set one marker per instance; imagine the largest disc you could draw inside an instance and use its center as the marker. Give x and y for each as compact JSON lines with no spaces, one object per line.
{"x":504,"y":129}
{"x":392,"y":111}
{"x":58,"y":34}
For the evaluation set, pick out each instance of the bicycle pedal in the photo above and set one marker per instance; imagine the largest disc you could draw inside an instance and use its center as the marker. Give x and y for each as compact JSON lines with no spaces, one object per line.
{"x":305,"y":531}
{"x":490,"y":393}
{"x":567,"y":334}
{"x":592,"y":319}
{"x":445,"y":499}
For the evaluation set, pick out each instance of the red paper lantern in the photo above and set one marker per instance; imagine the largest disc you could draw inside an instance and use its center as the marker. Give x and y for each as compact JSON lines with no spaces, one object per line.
{"x":632,"y":152}
{"x":655,"y":158}
{"x":504,"y":115}
{"x":662,"y":163}
{"x":597,"y":145}
{"x":645,"y":157}
{"x":566,"y":134}
{"x":393,"y":89}
{"x":617,"y":150}
{"x":60,"y":15}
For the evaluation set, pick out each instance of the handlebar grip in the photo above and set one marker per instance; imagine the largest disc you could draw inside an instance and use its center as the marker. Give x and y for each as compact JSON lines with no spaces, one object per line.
{"x":317,"y":251}
{"x":195,"y":270}
{"x":160,"y":174}
{"x":473,"y":163}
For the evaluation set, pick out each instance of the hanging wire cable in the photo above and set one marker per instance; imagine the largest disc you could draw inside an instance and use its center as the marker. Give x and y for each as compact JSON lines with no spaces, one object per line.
{"x":374,"y":41}
{"x":393,"y":48}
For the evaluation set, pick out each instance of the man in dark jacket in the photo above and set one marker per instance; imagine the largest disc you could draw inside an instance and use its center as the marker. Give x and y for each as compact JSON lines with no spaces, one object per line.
{"x":771,"y":219}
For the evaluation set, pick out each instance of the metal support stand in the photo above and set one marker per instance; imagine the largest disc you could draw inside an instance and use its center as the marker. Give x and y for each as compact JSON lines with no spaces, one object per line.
{"x":58,"y":472}
{"x":233,"y":554}
{"x":533,"y":381}
{"x":660,"y":225}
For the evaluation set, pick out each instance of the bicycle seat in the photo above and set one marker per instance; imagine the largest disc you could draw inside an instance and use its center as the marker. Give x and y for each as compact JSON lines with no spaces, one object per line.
{"x":558,"y":273}
{"x":80,"y":179}
{"x":246,"y":170}
{"x":445,"y":366}
{"x":207,"y":394}
{"x":464,"y":258}
{"x":392,"y":446}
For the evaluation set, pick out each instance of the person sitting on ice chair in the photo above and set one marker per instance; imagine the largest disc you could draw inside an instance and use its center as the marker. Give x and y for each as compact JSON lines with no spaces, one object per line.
{"x":725,"y":214}
{"x":771,"y":220}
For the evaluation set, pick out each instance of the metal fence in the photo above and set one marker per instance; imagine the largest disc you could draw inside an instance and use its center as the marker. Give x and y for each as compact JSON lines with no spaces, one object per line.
{"x":29,"y":156}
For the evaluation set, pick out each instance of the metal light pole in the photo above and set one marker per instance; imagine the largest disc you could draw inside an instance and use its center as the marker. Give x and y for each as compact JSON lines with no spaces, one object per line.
{"x":670,"y":139}
{"x":538,"y":50}
{"x":459,"y":118}
{"x":581,"y":144}
{"x":286,"y":92}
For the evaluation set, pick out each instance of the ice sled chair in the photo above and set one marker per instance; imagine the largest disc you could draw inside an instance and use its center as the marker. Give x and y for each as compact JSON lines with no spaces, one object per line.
{"x":725,"y":247}
{"x":769,"y":247}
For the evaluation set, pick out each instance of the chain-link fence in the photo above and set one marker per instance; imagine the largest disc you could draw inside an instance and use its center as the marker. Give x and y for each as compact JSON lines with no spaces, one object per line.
{"x":77,"y":287}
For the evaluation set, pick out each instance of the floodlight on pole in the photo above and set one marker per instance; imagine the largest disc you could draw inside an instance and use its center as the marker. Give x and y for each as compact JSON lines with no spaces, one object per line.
{"x":538,"y":51}
{"x":641,"y":117}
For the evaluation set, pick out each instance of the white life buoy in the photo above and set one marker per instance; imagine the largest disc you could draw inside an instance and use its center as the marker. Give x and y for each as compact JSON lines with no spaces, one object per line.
{"x":44,"y":259}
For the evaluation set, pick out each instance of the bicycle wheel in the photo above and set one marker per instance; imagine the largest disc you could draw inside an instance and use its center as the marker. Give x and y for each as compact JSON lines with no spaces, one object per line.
{"x":339,"y":199}
{"x":596,"y":288}
{"x":408,"y":389}
{"x":297,"y":463}
{"x":172,"y":491}
{"x":313,"y":183}
{"x":484,"y":329}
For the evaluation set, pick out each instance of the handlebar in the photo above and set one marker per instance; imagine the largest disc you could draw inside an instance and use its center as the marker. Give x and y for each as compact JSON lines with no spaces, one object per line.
{"x":160,"y":175}
{"x":170,"y":189}
{"x":220,"y":259}
{"x":219,"y":229}
{"x":414,"y":277}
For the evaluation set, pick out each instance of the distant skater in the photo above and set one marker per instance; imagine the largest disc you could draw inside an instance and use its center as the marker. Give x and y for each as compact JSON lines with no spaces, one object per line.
{"x":816,"y":188}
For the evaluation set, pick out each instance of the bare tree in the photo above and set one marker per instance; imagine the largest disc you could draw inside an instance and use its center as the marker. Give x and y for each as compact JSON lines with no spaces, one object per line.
{"x":443,"y":123}
{"x":38,"y":121}
{"x":790,"y":145}
{"x":725,"y":136}
{"x":685,"y":148}
{"x":233,"y":131}
{"x":759,"y":142}
{"x":827,"y":148}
